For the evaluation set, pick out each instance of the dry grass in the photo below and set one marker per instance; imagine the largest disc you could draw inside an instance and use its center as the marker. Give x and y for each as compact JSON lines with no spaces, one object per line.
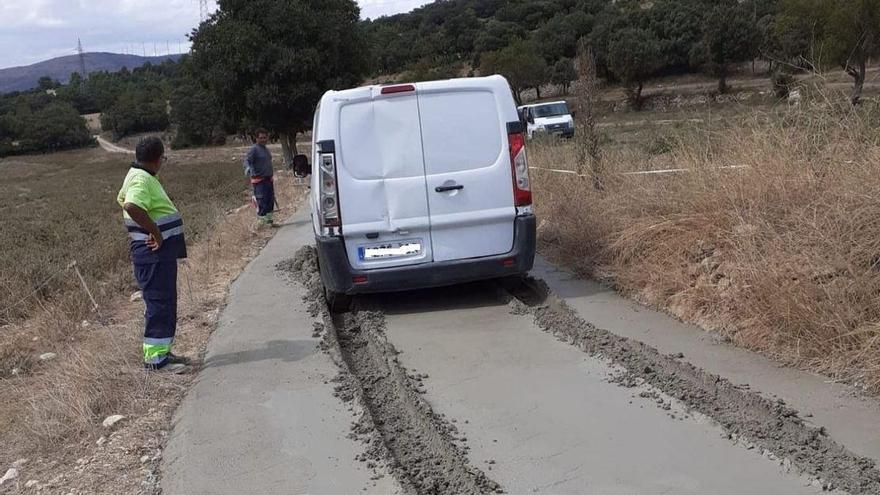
{"x":780,"y":257}
{"x":58,"y":208}
{"x":53,"y":410}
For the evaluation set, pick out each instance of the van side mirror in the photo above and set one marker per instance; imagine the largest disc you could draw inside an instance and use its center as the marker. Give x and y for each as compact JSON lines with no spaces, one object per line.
{"x":301,"y":166}
{"x":530,"y":118}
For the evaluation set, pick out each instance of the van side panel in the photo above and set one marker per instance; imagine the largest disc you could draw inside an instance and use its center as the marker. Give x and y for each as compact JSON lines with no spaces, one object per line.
{"x":465,"y":145}
{"x":381,"y":179}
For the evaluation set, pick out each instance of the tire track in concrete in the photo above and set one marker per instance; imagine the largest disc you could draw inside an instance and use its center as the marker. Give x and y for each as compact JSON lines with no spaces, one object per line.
{"x":422,"y":449}
{"x":747,"y":416}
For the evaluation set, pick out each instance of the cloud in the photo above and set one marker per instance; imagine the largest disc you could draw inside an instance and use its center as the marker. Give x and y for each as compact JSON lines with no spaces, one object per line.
{"x":376,"y":8}
{"x":34,"y":30}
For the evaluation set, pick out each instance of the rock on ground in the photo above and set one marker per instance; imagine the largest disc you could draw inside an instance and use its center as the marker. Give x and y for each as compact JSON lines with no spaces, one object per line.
{"x":111,"y":421}
{"x":10,"y":475}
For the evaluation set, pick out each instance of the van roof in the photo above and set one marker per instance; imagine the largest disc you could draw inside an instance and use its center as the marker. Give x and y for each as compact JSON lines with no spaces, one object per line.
{"x":490,"y":82}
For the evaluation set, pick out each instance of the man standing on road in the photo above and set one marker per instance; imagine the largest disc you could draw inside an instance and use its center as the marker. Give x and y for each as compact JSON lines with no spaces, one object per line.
{"x":156,"y":239}
{"x":258,"y":167}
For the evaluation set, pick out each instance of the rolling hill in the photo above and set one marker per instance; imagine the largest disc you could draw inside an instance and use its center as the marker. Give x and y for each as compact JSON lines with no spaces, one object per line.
{"x":26,"y":77}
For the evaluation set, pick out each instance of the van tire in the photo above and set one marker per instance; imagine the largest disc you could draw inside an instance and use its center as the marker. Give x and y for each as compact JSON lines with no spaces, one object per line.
{"x":337,"y":302}
{"x":513,"y":283}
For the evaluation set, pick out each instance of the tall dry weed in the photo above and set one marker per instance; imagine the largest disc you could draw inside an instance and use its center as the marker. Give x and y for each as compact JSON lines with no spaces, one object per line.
{"x":779,"y":253}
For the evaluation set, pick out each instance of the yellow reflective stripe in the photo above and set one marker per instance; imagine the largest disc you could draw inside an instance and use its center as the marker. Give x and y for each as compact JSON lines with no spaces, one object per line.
{"x":137,"y":236}
{"x":156,"y":353}
{"x":158,"y":221}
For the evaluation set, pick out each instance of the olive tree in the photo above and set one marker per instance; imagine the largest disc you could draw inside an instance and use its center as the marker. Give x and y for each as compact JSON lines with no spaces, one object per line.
{"x":844,"y":33}
{"x":268,"y":62}
{"x":633,"y":56}
{"x":729,"y":36}
{"x":520,"y":63}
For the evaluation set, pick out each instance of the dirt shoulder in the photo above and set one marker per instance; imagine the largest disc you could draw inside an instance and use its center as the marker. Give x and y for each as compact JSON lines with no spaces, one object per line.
{"x":99,"y":375}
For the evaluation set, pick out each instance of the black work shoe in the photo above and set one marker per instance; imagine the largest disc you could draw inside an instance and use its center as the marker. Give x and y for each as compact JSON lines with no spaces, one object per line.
{"x":167,"y":366}
{"x":175,"y":359}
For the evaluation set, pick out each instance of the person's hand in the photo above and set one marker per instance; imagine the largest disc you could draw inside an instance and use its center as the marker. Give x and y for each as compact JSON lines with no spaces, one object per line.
{"x":154,"y":243}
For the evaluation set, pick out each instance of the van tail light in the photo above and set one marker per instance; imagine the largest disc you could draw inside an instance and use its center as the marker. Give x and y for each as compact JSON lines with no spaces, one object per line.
{"x":401,"y":88}
{"x":522,"y":189}
{"x":329,"y":205}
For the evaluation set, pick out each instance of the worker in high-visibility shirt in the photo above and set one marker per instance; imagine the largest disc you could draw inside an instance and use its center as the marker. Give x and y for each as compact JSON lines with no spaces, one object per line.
{"x":156,"y":240}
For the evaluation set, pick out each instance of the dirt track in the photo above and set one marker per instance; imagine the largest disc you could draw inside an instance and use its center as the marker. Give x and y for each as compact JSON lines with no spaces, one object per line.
{"x":110,"y":147}
{"x":481,"y":388}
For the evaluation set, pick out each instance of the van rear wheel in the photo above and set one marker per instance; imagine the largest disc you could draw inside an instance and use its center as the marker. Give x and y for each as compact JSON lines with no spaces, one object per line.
{"x":513,"y":283}
{"x":336,"y":301}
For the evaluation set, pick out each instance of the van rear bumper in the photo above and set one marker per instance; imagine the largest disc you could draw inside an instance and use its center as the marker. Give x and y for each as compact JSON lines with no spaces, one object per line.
{"x":338,"y":275}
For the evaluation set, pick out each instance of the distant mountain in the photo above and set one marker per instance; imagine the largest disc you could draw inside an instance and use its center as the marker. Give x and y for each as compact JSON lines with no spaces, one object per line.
{"x":24,"y":78}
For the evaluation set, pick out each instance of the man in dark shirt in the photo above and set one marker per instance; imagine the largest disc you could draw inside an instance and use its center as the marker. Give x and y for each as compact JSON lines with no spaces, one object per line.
{"x":258,"y":167}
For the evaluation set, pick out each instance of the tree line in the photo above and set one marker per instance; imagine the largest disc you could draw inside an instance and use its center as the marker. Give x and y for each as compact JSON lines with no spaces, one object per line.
{"x":47,"y":118}
{"x":534,"y":42}
{"x":249,"y":69}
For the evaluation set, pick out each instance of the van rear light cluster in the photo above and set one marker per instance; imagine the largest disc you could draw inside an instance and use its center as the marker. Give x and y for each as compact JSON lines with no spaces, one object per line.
{"x":329,"y":209}
{"x":401,"y":88}
{"x":522,"y":189}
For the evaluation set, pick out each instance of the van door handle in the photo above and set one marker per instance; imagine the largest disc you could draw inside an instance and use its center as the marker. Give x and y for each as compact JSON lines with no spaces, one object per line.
{"x":441,"y":189}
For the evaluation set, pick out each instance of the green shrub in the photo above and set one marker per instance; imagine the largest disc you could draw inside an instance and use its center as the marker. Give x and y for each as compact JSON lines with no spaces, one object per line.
{"x":782,"y":83}
{"x":195,"y":116}
{"x":37,"y":124}
{"x":136,"y":110}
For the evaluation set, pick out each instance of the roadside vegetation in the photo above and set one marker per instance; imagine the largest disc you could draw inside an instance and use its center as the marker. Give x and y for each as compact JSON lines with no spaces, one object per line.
{"x":50,"y":218}
{"x":49,"y":200}
{"x":769,"y":239}
{"x":37,"y":122}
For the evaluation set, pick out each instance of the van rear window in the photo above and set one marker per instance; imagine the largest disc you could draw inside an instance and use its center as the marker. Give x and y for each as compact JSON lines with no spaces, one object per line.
{"x":460,"y":131}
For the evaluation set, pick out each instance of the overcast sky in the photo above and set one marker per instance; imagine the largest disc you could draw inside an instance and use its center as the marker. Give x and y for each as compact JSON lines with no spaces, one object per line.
{"x":35,"y":30}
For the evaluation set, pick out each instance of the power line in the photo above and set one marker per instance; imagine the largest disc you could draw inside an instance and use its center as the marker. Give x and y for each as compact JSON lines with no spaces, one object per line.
{"x":82,"y":59}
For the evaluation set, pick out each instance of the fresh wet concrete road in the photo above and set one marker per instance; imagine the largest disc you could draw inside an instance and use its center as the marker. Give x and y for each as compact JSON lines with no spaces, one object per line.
{"x":262,"y":418}
{"x":539,"y":415}
{"x":544,"y":414}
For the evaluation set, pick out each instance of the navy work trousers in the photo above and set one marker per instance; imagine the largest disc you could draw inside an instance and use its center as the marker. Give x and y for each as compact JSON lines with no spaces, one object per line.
{"x":158,"y":283}
{"x":264,"y":192}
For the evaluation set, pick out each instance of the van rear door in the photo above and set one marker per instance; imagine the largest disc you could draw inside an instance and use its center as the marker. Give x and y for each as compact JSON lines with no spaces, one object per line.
{"x":381,"y":179}
{"x":467,"y":166}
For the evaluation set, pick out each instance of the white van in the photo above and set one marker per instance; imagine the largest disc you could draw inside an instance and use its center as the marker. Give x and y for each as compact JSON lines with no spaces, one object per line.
{"x":552,"y":118}
{"x":419,"y":185}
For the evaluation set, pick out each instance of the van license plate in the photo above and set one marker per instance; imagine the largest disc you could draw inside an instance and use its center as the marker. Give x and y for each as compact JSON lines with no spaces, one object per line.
{"x":390,"y":250}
